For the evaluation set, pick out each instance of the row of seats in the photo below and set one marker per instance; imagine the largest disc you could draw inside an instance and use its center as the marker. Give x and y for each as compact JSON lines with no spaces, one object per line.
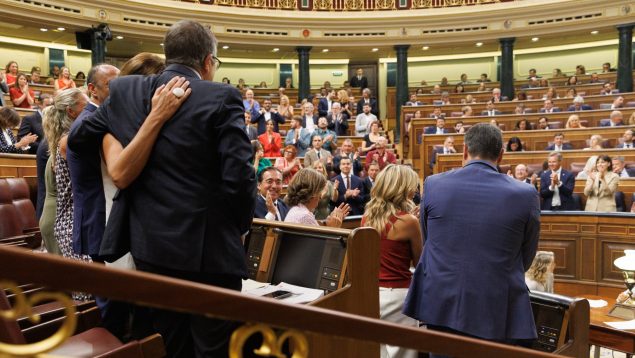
{"x":18,"y":225}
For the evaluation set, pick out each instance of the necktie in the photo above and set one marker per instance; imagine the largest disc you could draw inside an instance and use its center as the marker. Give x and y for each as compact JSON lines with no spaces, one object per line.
{"x":629,"y":146}
{"x":278,"y":217}
{"x":318,"y":154}
{"x":348,"y":182}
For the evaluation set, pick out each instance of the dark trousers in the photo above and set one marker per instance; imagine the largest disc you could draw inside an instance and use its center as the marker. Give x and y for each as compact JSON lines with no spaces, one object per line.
{"x":526,"y":343}
{"x":187,"y":335}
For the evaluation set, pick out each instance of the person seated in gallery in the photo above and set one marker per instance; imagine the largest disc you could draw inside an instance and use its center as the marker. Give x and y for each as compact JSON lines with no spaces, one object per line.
{"x":539,"y":277}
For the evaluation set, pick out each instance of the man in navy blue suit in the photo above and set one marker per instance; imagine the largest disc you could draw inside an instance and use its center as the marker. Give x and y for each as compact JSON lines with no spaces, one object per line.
{"x":439,"y":128}
{"x":33,"y":124}
{"x":268,"y":205}
{"x":89,"y":203}
{"x":325,"y":103}
{"x":350,"y":189}
{"x":556,"y":185}
{"x":481,"y":232}
{"x":195,"y":197}
{"x":558,"y":143}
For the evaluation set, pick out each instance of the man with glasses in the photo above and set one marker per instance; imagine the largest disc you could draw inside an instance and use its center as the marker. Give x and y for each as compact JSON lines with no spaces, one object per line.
{"x":186,"y":215}
{"x":268,"y":205}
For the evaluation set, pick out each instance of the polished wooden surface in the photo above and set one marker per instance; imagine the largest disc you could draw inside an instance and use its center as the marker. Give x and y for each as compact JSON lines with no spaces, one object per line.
{"x":604,"y":335}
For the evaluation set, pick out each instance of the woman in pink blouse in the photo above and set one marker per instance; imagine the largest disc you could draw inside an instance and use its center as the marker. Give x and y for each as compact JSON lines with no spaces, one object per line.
{"x":303,"y":197}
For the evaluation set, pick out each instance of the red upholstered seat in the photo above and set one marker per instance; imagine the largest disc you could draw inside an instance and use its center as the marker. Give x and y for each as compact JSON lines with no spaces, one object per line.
{"x":10,"y":222}
{"x":22,"y":202}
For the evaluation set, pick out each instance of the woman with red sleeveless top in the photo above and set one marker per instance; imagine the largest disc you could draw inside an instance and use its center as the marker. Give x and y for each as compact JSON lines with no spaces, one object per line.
{"x":388,"y":211}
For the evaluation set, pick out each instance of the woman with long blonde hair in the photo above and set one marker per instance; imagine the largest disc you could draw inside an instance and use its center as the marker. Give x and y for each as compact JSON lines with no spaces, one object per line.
{"x":68,"y":104}
{"x":285,"y":108}
{"x":389,"y":212}
{"x":539,"y":277}
{"x":64,"y":81}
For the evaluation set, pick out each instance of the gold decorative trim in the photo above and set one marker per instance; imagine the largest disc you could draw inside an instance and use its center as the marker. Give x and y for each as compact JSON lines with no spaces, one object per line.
{"x":271,"y":347}
{"x":24,"y":307}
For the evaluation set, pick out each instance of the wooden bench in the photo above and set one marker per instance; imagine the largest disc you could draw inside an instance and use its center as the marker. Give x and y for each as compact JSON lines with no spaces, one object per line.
{"x":507,"y":122}
{"x":534,"y":140}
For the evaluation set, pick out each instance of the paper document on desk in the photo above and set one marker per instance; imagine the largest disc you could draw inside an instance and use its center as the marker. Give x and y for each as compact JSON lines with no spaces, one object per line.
{"x":597,"y":303}
{"x":622,"y":324}
{"x":299,"y":294}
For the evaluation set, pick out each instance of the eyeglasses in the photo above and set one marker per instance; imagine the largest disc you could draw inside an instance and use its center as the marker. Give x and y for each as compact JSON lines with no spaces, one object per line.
{"x":217,"y":62}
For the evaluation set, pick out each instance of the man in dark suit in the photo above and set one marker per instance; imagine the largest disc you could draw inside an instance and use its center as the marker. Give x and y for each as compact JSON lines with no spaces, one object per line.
{"x":369,"y":180}
{"x":265,"y":114}
{"x":350,"y":188}
{"x":556,"y":185}
{"x":448,"y":148}
{"x":325,"y":103}
{"x":490,"y":110}
{"x":548,"y":107}
{"x":359,"y":80}
{"x":32,"y":124}
{"x":268,"y":203}
{"x":195,"y":197}
{"x":615,"y":120}
{"x":89,"y":202}
{"x":578,"y":105}
{"x":309,"y":118}
{"x":347,"y":150}
{"x":481,"y":232}
{"x":627,"y":142}
{"x":559,"y":144}
{"x":367,"y":99}
{"x":439,"y":128}
{"x":336,"y":120}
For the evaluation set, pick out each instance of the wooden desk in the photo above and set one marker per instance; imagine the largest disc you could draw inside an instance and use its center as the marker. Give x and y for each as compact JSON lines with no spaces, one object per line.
{"x":603,"y":335}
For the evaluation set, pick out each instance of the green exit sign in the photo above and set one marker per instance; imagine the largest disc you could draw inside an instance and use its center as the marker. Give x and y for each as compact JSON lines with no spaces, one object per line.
{"x":337,"y":73}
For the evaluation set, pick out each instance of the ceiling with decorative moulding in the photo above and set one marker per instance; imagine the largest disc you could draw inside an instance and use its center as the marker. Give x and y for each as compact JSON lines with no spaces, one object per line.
{"x":252,"y":33}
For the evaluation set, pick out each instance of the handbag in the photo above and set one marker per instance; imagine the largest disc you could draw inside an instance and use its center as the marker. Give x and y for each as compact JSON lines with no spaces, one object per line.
{"x":116,"y":240}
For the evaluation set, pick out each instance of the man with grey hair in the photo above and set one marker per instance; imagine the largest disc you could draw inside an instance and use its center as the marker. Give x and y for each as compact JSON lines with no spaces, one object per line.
{"x":337,"y":122}
{"x":615,"y":119}
{"x":620,"y":169}
{"x":194,"y":198}
{"x":556,"y":185}
{"x":474,"y":264}
{"x":367,"y":100}
{"x":578,"y":105}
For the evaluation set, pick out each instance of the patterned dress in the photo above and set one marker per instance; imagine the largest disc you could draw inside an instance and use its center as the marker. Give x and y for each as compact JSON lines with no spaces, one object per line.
{"x":63,"y":229}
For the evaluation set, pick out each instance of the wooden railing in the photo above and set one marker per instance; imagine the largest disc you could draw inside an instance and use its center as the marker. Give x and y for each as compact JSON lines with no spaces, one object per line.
{"x":152,"y":290}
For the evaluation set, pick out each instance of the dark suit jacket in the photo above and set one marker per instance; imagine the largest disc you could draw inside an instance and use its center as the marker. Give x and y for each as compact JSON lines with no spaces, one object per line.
{"x":486,"y":113}
{"x":565,"y":190}
{"x":89,"y":202}
{"x":357,"y":203}
{"x":607,"y":123}
{"x":41,"y":157}
{"x":323,"y":107}
{"x":196,"y":195}
{"x":368,"y":186}
{"x":565,"y":146}
{"x":262,"y":122}
{"x":261,"y":208}
{"x":357,"y":164}
{"x":363,"y":83}
{"x":621,"y":146}
{"x":471,"y":276}
{"x":373,"y":107}
{"x":339,"y":127}
{"x":32,"y":124}
{"x":433,"y":130}
{"x":315,"y":120}
{"x":585,"y":107}
{"x":553,"y":110}
{"x":435,"y":152}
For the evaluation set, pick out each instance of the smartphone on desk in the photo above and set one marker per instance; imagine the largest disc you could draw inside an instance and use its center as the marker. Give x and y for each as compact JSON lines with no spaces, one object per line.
{"x":280,"y":294}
